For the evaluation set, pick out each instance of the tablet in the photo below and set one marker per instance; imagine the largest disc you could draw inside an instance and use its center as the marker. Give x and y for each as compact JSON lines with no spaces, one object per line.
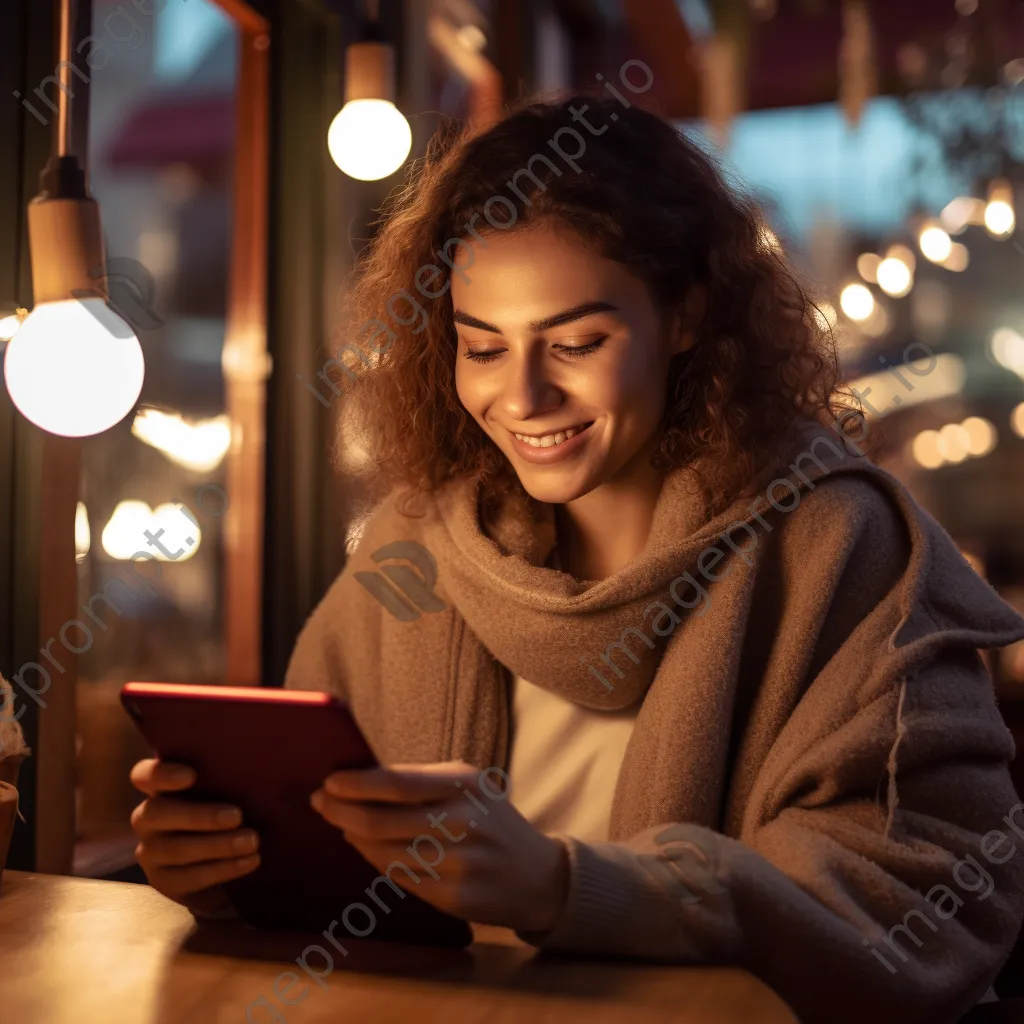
{"x":266,"y":751}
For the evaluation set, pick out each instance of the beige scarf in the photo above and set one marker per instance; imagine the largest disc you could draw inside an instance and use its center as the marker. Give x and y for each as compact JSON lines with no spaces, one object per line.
{"x":435,"y":687}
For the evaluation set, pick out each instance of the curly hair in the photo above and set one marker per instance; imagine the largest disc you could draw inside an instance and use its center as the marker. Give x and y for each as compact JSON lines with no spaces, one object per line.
{"x":637,"y":192}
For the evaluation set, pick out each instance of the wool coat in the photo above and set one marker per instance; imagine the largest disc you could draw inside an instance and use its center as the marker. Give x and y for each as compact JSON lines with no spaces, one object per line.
{"x":818,"y":766}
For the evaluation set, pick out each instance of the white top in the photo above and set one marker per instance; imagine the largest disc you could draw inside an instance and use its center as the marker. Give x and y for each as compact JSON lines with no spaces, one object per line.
{"x":565,"y":761}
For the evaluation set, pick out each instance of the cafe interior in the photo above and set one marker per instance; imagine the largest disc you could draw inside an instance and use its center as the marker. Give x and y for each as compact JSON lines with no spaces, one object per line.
{"x":222,"y":186}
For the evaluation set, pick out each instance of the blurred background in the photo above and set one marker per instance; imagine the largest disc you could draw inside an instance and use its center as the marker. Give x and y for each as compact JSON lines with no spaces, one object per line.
{"x":883,"y":138}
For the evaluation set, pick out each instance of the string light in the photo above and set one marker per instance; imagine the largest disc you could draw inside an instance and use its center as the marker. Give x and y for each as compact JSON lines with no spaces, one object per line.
{"x":857,"y":302}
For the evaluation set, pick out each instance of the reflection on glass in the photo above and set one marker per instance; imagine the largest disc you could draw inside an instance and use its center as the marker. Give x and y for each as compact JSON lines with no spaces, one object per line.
{"x":161,"y":156}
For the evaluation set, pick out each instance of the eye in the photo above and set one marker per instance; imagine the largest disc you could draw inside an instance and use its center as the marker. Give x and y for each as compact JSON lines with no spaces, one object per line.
{"x":579,"y":351}
{"x":482,"y":357}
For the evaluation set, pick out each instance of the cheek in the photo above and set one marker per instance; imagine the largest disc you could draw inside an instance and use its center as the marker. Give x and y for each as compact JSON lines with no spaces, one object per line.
{"x":472,"y":390}
{"x":634,"y":384}
{"x":463,"y":384}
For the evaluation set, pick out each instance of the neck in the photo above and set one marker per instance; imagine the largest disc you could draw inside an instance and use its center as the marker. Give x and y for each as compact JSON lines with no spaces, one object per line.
{"x":608,"y":527}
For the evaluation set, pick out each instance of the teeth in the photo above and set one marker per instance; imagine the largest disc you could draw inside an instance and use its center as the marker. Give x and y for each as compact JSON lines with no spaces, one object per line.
{"x":549,"y":440}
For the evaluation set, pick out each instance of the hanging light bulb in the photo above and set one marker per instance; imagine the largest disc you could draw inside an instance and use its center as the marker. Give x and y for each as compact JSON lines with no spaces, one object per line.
{"x":72,"y":370}
{"x":73,"y":367}
{"x":369,"y":138}
{"x":1000,"y":219}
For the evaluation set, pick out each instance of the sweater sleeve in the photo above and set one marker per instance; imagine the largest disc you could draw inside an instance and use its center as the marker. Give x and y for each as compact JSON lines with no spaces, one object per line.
{"x":316,"y":661}
{"x":881,"y":877}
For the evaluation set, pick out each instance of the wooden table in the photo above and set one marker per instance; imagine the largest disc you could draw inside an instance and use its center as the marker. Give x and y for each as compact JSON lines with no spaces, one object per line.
{"x":77,"y":950}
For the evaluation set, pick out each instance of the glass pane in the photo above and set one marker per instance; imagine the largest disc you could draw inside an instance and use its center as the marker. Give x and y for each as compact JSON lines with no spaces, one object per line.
{"x":150,"y":530}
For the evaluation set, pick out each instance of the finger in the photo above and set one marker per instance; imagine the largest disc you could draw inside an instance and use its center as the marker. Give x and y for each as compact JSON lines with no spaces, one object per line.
{"x":405,"y":784}
{"x":152,"y":776}
{"x":377,"y":821}
{"x":176,"y":849}
{"x":391,"y":858}
{"x":178,"y":882}
{"x":167,"y":814}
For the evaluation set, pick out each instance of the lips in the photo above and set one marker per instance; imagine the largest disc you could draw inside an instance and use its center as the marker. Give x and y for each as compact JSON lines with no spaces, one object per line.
{"x":550,"y":440}
{"x":545,"y":448}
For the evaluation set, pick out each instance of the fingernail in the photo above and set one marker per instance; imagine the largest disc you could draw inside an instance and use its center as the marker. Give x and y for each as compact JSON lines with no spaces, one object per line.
{"x":229,"y":817}
{"x":317,"y":800}
{"x":245,"y":842}
{"x":184,"y":776}
{"x":249,"y":862}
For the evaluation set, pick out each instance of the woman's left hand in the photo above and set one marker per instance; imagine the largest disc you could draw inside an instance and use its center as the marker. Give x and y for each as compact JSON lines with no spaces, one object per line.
{"x":452,"y":822}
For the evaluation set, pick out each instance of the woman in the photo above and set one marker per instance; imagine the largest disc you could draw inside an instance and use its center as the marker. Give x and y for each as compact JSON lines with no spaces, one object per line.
{"x":726,"y":665}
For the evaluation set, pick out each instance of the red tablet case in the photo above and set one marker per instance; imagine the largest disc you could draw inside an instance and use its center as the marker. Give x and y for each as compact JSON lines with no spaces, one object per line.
{"x":266,"y":750}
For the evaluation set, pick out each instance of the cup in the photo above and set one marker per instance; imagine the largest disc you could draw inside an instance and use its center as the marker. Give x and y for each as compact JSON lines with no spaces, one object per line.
{"x":9,"y":767}
{"x":8,"y":813}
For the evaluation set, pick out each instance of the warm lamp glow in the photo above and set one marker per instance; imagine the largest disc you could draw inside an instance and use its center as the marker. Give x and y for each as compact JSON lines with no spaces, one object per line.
{"x":961,"y":212}
{"x":369,"y":139}
{"x":1000,"y":219}
{"x":857,"y":302}
{"x":867,"y":266}
{"x":894,"y":277}
{"x":125,"y":533}
{"x":958,"y":259}
{"x":74,"y":367}
{"x":197,"y":446}
{"x":936,"y":245}
{"x":1017,"y":420}
{"x":83,"y":536}
{"x":1007,"y":348}
{"x":954,"y":443}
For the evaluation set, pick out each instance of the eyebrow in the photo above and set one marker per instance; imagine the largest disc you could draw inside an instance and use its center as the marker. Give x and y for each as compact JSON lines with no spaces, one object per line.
{"x":567,"y":316}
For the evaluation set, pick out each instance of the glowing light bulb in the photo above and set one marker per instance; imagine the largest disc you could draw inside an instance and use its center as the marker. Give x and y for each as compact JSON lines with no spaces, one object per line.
{"x":895,"y":277}
{"x":954,"y":442}
{"x":1007,"y":348}
{"x":1017,"y":420}
{"x":857,"y":302}
{"x":936,"y":245}
{"x":925,"y":450}
{"x":958,"y":259}
{"x":74,"y":368}
{"x":981,"y":435}
{"x":867,"y":266}
{"x":1000,"y":220}
{"x":369,"y":139}
{"x":999,"y":217}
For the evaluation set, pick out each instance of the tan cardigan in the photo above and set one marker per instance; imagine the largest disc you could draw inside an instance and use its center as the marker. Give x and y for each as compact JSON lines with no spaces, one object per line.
{"x":818,"y":725}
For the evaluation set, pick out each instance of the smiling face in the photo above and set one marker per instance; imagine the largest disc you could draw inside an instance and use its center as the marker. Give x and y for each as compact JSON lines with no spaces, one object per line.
{"x":563,"y":359}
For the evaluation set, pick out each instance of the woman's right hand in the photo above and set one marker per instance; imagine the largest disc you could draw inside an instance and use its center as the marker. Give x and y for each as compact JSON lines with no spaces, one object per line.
{"x":187,"y":849}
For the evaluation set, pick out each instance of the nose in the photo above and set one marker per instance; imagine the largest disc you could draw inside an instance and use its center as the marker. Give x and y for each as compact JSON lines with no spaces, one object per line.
{"x":528,"y":389}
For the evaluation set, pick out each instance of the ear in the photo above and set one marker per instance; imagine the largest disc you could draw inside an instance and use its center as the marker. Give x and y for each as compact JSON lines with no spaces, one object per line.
{"x":685,"y":321}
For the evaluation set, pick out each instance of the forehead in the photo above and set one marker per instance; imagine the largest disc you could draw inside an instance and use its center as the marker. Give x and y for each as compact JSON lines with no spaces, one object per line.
{"x":533,"y":272}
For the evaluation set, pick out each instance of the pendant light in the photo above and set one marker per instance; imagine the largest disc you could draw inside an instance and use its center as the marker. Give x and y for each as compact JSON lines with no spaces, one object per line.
{"x":74,"y":367}
{"x":369,"y":138}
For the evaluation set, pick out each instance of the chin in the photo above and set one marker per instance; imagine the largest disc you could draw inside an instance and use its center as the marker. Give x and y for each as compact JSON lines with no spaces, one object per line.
{"x":554,"y":488}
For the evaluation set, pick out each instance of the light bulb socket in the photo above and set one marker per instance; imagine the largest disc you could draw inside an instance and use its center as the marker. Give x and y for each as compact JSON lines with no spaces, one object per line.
{"x":369,"y":71}
{"x":63,"y":178}
{"x":66,"y":249}
{"x":371,"y":32}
